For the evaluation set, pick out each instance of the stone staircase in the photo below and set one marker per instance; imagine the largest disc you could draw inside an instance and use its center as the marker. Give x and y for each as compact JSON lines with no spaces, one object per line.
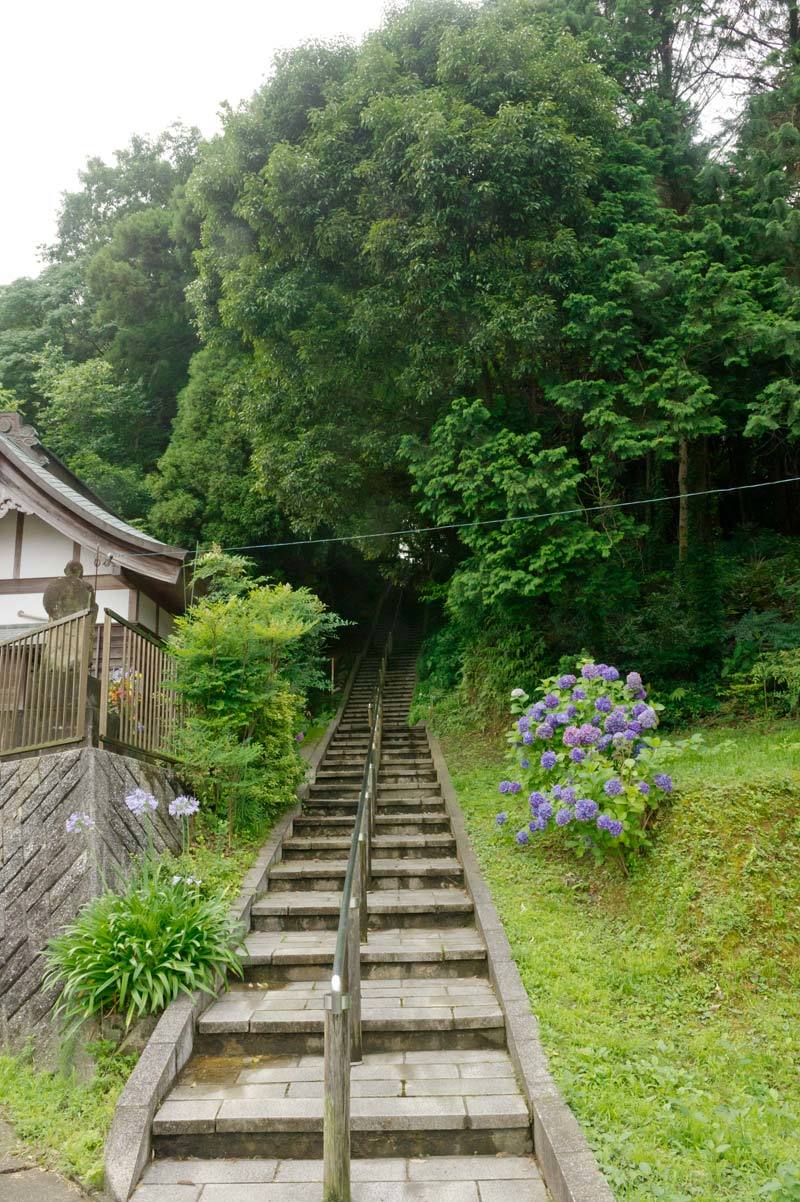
{"x":436,"y":1112}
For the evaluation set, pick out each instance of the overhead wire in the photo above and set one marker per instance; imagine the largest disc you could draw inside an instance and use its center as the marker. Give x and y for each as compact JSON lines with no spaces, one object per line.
{"x":522,"y":517}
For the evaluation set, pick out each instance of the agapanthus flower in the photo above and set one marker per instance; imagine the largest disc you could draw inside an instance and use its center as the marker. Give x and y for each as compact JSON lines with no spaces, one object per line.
{"x":608,"y":672}
{"x":183,"y":806}
{"x":79,"y":822}
{"x":187,"y":880}
{"x":604,"y":705}
{"x":577,"y":755}
{"x":522,"y":837}
{"x":571,"y":736}
{"x":563,"y":817}
{"x":613,"y":787}
{"x":516,"y":693}
{"x":663,"y":782}
{"x":579,"y":694}
{"x":545,"y":731}
{"x":586,"y":809}
{"x":643,"y":787}
{"x":647,"y":717}
{"x":633,"y":680}
{"x":590,"y":671}
{"x":501,"y":818}
{"x":615,"y":723}
{"x":549,"y":760}
{"x":566,"y":681}
{"x":141,"y":802}
{"x":552,"y":700}
{"x":523,"y":724}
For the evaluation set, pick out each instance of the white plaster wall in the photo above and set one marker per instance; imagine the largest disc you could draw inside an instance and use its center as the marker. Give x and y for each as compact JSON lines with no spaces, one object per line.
{"x":166,"y":624}
{"x":44,"y":550}
{"x":31,"y":603}
{"x":147,"y":611}
{"x":8,"y":537}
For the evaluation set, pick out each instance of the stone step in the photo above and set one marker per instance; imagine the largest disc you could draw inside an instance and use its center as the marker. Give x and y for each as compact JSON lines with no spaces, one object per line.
{"x":393,"y":952}
{"x":333,"y":823}
{"x":405,"y":804}
{"x":318,"y":910}
{"x":403,"y":1103}
{"x":386,"y":874}
{"x":398,"y":847}
{"x":497,"y":1178}
{"x":390,"y":793}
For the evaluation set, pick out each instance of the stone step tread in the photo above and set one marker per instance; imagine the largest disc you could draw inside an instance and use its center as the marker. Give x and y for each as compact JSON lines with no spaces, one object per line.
{"x":297,"y":869}
{"x":421,"y":817}
{"x":429,"y":1005}
{"x":384,"y":1179}
{"x":420,"y":1113}
{"x":397,"y":945}
{"x":379,"y":901}
{"x":342,"y":842}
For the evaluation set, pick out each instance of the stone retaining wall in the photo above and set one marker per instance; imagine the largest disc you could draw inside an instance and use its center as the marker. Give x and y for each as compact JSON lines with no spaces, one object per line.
{"x":46,"y":875}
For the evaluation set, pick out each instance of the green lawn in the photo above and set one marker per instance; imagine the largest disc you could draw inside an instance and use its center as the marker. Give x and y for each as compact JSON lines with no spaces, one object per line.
{"x":669,"y":1001}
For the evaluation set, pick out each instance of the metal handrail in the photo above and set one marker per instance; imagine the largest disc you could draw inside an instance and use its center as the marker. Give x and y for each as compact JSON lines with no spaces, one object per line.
{"x":343,"y":1042}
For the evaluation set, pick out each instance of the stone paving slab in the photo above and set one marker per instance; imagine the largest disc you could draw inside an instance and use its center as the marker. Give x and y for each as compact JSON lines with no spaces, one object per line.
{"x":432,"y":1004}
{"x":380,"y":901}
{"x":433,"y":1179}
{"x":393,"y":945}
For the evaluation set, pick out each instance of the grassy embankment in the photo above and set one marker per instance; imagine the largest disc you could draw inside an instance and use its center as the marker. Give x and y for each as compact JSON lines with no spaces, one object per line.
{"x":669,"y":1001}
{"x":61,"y":1119}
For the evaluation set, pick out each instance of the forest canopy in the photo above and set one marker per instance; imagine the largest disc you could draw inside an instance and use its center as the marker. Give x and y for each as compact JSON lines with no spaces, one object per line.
{"x":490,"y":262}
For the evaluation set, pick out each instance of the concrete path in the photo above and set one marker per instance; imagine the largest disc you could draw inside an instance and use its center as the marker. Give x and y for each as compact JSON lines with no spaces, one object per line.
{"x":22,"y":1181}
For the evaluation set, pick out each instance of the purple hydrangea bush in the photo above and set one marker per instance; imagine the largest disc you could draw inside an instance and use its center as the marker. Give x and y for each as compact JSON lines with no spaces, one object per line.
{"x":587,"y":761}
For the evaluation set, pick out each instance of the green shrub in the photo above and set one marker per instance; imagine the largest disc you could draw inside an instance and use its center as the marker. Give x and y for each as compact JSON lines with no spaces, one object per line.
{"x":131,"y":954}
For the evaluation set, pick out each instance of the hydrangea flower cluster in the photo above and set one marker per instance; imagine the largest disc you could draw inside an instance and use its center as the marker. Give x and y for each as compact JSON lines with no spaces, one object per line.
{"x":585,"y":754}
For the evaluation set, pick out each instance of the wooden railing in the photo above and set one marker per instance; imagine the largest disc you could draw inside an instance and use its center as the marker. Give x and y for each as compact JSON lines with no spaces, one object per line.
{"x":343,"y":1040}
{"x":139,"y":708}
{"x":43,"y":685}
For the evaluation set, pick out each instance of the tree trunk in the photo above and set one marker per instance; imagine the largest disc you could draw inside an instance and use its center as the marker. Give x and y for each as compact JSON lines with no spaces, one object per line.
{"x":683,"y":503}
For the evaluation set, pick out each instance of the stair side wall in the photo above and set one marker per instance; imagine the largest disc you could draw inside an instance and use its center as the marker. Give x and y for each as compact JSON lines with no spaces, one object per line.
{"x":46,"y":875}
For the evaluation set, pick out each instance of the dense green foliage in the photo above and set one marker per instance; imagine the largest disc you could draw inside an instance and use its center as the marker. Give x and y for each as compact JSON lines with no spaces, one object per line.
{"x":486,"y":264}
{"x":132,"y":953}
{"x":668,"y":1000}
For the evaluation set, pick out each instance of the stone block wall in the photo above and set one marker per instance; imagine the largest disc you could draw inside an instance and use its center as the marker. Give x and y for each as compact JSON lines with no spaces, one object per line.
{"x":46,"y":875}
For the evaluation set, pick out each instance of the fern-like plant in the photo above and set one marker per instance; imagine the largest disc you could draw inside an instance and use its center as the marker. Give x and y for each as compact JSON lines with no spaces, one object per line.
{"x":132,"y":953}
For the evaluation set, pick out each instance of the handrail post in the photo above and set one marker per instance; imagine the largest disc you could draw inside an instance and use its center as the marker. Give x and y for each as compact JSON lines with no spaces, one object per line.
{"x":336,"y":1102}
{"x":354,"y":979}
{"x":364,"y":881}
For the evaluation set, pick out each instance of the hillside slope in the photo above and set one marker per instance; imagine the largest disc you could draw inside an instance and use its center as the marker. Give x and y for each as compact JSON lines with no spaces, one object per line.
{"x":669,"y":1001}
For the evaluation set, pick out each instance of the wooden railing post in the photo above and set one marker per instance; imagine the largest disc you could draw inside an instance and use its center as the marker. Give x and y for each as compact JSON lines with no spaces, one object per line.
{"x":105,"y":671}
{"x":336,"y":1103}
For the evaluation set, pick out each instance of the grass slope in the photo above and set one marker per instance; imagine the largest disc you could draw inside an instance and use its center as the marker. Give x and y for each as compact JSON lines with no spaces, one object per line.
{"x":669,"y":1001}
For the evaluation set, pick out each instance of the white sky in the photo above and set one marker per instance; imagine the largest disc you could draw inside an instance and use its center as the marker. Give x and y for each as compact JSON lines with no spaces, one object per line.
{"x":79,"y":78}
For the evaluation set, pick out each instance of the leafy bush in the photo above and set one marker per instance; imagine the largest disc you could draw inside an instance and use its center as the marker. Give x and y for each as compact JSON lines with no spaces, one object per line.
{"x":247,"y":655}
{"x":131,"y":954}
{"x":590,"y":764}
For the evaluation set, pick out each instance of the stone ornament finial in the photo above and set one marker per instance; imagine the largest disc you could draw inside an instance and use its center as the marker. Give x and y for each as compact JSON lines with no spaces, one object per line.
{"x":69,"y":594}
